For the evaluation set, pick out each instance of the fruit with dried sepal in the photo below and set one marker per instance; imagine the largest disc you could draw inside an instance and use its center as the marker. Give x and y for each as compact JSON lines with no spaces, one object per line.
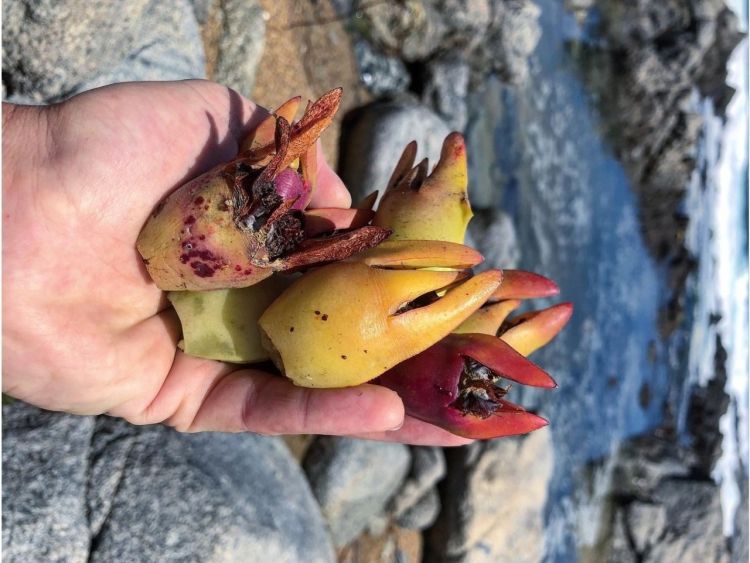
{"x":240,"y":222}
{"x":421,"y":206}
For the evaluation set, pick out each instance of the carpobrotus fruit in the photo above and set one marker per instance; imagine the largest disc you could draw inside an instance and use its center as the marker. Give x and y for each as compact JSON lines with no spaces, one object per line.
{"x":222,"y":324}
{"x":240,"y":222}
{"x":460,"y":383}
{"x":421,"y":206}
{"x":346,"y":323}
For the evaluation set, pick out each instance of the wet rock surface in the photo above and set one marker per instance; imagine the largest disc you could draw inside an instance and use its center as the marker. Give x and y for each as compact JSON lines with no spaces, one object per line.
{"x":353,"y":481}
{"x":658,"y":54}
{"x":664,"y":503}
{"x":663,"y":507}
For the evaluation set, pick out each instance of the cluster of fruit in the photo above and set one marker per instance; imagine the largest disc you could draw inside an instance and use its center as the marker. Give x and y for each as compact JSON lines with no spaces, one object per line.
{"x":386,"y":296}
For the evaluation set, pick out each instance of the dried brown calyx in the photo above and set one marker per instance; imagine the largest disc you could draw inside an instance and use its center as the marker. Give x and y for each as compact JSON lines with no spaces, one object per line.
{"x":479,"y":390}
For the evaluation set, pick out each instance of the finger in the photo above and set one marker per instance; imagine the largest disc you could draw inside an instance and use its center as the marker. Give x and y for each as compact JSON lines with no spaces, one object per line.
{"x":255,"y":401}
{"x":331,"y":191}
{"x":417,"y":433}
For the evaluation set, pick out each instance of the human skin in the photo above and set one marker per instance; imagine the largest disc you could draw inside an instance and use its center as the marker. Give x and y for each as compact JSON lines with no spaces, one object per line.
{"x":85,"y":330}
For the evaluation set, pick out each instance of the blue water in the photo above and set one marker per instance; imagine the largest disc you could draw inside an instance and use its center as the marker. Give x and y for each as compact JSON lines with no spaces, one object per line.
{"x":577,"y":223}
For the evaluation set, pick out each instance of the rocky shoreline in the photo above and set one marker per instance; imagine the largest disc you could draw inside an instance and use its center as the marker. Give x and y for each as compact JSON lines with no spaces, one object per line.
{"x":409,"y":69}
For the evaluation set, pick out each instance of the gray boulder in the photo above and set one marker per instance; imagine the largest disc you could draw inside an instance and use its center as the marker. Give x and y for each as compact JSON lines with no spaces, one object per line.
{"x":493,"y":500}
{"x":54,"y":49}
{"x":493,"y":234}
{"x":380,"y":73}
{"x":375,"y":137}
{"x":45,"y":462}
{"x":663,"y":506}
{"x":240,"y":45}
{"x":446,"y":89}
{"x":417,"y":503}
{"x":100,"y":489}
{"x":490,"y":36}
{"x":353,"y":481}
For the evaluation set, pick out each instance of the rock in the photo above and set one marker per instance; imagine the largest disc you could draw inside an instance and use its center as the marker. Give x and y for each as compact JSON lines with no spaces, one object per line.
{"x":427,"y":468}
{"x":100,"y":489}
{"x":662,"y":506}
{"x":44,"y":485}
{"x":54,"y":49}
{"x":489,"y":37}
{"x":684,"y":524}
{"x":446,"y":89}
{"x":375,"y":136}
{"x":646,"y":523}
{"x":239,"y":46}
{"x":493,"y":234}
{"x":231,"y":496}
{"x":421,"y":514}
{"x":380,"y":73}
{"x":511,"y":38}
{"x":413,"y":29}
{"x":644,"y":72}
{"x":353,"y":481}
{"x":514,"y":473}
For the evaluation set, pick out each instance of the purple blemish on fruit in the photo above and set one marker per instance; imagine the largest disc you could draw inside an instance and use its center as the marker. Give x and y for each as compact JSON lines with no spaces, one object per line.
{"x":190,"y":220}
{"x":202,"y":237}
{"x":199,"y":200}
{"x":248,"y":272}
{"x":238,"y":268}
{"x":195,"y":253}
{"x":202,"y":269}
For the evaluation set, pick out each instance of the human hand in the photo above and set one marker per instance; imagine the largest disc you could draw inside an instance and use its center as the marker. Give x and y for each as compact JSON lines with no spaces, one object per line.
{"x":85,"y":329}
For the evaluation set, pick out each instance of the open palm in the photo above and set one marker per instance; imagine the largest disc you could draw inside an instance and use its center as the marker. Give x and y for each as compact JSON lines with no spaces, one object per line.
{"x":85,"y":329}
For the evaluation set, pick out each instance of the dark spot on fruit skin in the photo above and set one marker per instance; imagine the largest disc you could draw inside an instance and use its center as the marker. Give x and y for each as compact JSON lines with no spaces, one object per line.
{"x":343,"y":357}
{"x":190,"y":220}
{"x":238,"y":268}
{"x":202,"y":269}
{"x":202,"y":237}
{"x":324,"y":317}
{"x":317,"y":312}
{"x":248,"y":272}
{"x":291,"y":329}
{"x":199,"y":200}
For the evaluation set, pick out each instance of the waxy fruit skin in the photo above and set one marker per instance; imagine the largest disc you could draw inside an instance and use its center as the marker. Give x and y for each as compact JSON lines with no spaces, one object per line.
{"x":222,"y":324}
{"x":341,"y":325}
{"x":431,"y":383}
{"x":428,"y":384}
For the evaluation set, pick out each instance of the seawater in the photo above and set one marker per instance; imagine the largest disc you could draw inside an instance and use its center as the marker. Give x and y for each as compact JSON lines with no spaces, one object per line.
{"x":577,"y":221}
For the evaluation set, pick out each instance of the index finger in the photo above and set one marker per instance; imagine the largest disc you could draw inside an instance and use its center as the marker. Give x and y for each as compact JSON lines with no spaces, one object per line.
{"x":331,"y":191}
